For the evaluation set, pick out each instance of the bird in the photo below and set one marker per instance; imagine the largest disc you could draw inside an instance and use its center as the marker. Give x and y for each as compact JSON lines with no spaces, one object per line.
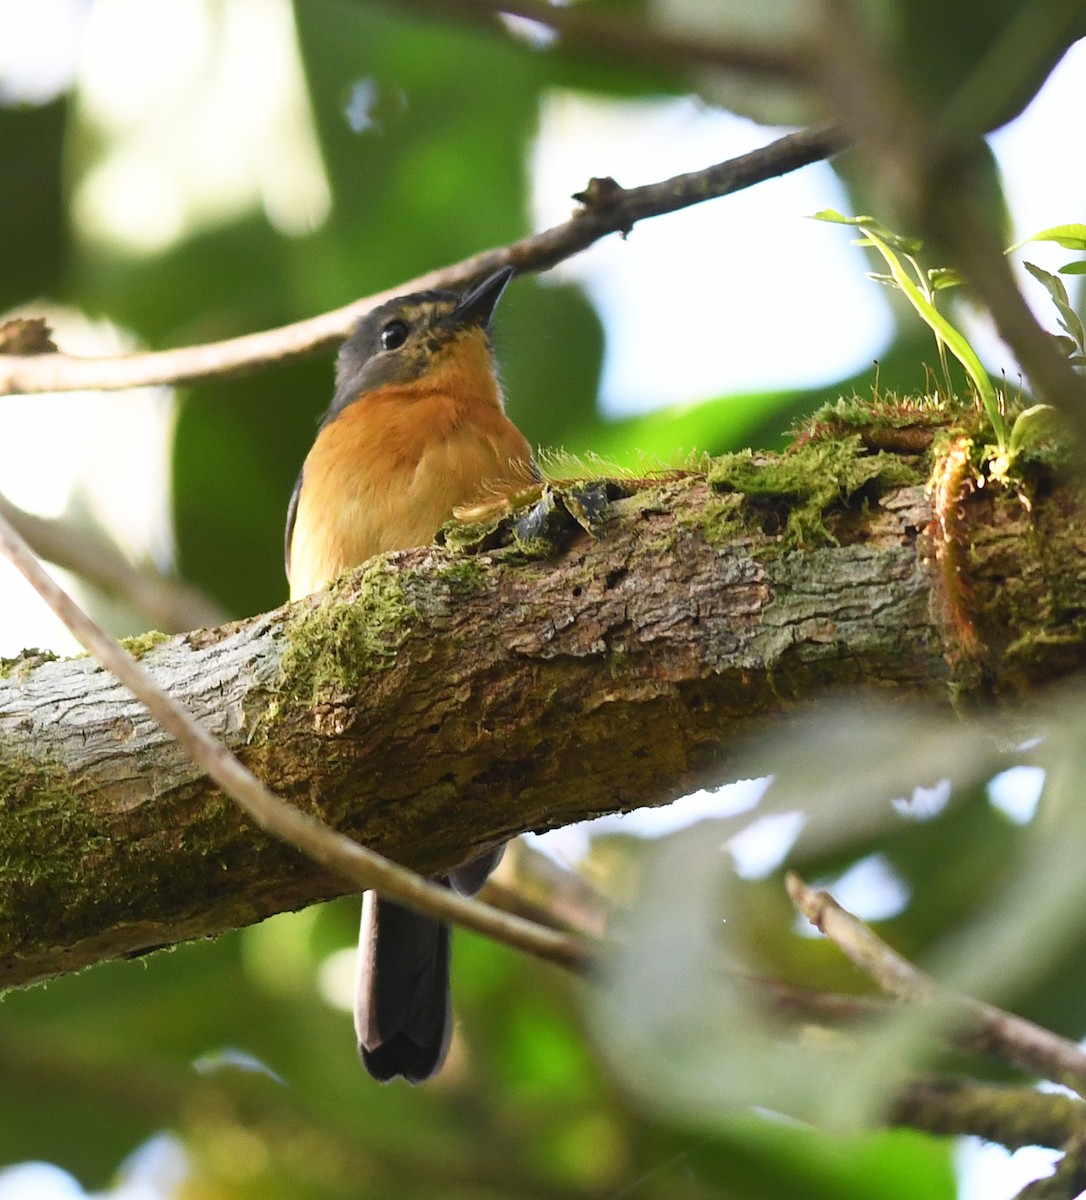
{"x":415,"y":429}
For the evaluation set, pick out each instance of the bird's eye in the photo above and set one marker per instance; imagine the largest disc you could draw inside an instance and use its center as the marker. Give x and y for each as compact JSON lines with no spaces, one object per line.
{"x":394,"y":335}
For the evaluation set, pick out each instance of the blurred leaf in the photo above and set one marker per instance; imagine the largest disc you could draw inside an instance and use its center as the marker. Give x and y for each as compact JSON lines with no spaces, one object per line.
{"x":34,"y":254}
{"x":1069,"y":320}
{"x":235,"y":462}
{"x":550,"y":350}
{"x":783,"y":26}
{"x":679,"y":1029}
{"x":703,"y":1050}
{"x":447,"y":177}
{"x":976,"y":63}
{"x":762,"y":1159}
{"x":1070,"y":237}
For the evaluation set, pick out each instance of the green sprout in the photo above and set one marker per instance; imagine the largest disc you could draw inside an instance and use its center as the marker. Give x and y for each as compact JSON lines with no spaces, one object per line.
{"x":919,"y":289}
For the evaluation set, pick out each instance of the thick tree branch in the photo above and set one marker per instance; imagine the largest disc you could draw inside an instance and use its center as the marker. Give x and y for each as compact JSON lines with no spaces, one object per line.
{"x":606,"y":208}
{"x":324,"y":846}
{"x":438,"y":701}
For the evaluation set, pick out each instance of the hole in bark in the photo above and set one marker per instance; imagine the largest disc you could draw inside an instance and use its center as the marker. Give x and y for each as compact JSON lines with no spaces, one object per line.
{"x":577,"y":590}
{"x":770,"y":513}
{"x":615,"y":576}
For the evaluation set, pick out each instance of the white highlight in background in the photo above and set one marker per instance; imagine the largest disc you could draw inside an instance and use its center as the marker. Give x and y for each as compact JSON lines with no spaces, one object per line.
{"x":737,"y":294}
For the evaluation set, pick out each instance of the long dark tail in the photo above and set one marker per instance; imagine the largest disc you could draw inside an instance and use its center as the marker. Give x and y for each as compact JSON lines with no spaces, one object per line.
{"x":402,"y":1012}
{"x":403,"y":1015}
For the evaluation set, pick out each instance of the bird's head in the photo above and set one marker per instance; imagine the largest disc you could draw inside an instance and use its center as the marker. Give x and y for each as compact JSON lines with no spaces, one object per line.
{"x":405,"y":339}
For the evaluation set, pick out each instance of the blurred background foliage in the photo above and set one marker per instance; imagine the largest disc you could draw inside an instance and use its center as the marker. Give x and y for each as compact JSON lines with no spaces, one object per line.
{"x":319,"y":152}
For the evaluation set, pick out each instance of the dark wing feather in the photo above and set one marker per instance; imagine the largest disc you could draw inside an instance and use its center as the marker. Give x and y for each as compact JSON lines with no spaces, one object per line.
{"x":292,"y":514}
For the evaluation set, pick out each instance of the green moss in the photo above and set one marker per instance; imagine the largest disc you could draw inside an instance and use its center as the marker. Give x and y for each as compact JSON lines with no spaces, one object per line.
{"x":888,"y":409}
{"x":720,"y":521}
{"x":40,"y":812}
{"x":331,"y":642}
{"x":20,"y":666}
{"x":816,"y":477}
{"x":464,"y":576}
{"x":139,"y":645}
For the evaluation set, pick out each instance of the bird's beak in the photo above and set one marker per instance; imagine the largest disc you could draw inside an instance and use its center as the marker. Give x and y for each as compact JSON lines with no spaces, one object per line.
{"x":477,"y":307}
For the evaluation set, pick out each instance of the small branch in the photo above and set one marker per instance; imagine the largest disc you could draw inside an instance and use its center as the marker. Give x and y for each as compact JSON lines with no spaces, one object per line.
{"x":530,"y":883}
{"x":323,"y":845}
{"x":987,"y":1029}
{"x":1012,"y":1116}
{"x":617,"y":212}
{"x":627,"y":40}
{"x":168,"y":604}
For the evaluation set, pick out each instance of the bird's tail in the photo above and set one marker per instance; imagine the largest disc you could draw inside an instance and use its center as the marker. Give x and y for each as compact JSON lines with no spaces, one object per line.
{"x":402,"y":1011}
{"x":403,"y":1015}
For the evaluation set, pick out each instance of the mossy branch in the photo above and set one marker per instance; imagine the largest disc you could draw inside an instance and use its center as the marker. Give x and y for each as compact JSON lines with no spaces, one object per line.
{"x":606,"y":652}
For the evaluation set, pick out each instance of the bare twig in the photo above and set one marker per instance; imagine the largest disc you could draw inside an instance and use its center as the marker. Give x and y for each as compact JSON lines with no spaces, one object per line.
{"x":300,"y":830}
{"x":607,"y":209}
{"x":530,"y":883}
{"x":987,"y":1029}
{"x":168,"y":604}
{"x":627,"y":40}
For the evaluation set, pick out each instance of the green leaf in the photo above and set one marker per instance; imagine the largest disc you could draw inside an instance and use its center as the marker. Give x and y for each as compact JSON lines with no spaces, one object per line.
{"x":944,"y":277}
{"x":1069,"y":319}
{"x":1078,"y":267}
{"x":36,"y":251}
{"x":1031,"y":426}
{"x":906,"y":245}
{"x":1052,"y":282}
{"x":975,"y":64}
{"x":758,"y":1158}
{"x":955,"y":342}
{"x":1070,"y":237}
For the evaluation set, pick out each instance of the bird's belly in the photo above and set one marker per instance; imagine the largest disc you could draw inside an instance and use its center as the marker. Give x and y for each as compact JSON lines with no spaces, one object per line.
{"x":369,"y":514}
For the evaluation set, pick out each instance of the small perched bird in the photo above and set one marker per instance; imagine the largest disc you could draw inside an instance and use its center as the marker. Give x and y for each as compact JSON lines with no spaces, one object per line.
{"x":416,"y":428}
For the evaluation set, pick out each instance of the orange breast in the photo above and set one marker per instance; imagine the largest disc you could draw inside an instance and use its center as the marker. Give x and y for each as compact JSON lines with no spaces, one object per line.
{"x":388,"y":471}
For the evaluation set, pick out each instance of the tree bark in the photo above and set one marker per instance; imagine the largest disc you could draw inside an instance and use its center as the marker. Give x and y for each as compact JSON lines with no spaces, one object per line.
{"x":608,"y":651}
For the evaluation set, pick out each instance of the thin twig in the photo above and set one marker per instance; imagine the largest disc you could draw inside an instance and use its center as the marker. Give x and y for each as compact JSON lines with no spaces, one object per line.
{"x":530,"y":883}
{"x":304,"y":832}
{"x":168,"y":604}
{"x":987,"y":1029}
{"x":607,"y":210}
